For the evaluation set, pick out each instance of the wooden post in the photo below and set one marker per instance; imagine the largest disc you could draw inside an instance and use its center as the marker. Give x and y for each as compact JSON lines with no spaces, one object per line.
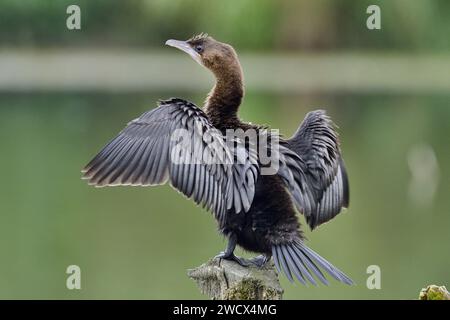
{"x":434,"y":292}
{"x":227,"y":280}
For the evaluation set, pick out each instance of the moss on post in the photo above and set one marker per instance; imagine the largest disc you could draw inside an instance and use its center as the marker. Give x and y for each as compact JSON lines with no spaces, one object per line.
{"x":433,"y":292}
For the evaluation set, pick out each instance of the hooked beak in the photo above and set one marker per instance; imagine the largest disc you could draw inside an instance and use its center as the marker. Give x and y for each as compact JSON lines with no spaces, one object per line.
{"x":184,"y":46}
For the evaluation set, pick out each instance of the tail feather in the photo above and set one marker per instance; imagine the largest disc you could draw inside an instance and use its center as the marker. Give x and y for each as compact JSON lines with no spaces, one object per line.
{"x":296,"y":259}
{"x":301,"y":267}
{"x":310,"y":265}
{"x":284,"y":264}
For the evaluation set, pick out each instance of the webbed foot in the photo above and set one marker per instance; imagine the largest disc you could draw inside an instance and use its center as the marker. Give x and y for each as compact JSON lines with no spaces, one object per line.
{"x":260,"y":260}
{"x":231,"y":256}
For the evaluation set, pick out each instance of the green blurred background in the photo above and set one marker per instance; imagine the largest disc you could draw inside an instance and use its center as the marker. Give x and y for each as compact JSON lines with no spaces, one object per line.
{"x":138,"y":242}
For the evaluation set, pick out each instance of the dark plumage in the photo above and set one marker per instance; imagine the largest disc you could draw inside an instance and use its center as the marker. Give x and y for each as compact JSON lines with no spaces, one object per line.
{"x":255,"y":211}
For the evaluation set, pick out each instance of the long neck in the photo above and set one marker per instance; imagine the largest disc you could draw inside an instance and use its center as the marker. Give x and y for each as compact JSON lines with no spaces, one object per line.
{"x":225,"y":97}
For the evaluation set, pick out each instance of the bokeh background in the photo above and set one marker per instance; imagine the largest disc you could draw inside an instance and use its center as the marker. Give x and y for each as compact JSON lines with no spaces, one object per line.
{"x":64,"y":94}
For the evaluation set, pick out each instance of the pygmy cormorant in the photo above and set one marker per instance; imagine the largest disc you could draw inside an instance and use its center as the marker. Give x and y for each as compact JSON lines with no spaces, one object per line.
{"x":255,"y":211}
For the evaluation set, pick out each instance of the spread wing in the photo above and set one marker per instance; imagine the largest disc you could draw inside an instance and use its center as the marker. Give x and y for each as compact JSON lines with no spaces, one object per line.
{"x":175,"y":142}
{"x":314,"y":169}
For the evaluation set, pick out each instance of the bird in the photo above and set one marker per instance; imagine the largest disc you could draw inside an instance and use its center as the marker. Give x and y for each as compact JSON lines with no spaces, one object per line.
{"x":255,"y":208}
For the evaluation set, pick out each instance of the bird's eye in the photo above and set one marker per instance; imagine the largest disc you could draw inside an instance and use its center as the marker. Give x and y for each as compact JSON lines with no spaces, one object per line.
{"x":199,"y":48}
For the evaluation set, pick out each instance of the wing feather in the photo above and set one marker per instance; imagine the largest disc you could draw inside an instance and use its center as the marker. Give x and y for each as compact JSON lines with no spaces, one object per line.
{"x":148,"y":152}
{"x":313,"y":169}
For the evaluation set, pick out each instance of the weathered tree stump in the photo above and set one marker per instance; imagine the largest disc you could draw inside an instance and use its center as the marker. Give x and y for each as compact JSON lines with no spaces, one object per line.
{"x":227,"y":280}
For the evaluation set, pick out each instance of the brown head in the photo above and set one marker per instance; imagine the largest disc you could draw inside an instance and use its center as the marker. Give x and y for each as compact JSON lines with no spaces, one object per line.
{"x":221,"y":59}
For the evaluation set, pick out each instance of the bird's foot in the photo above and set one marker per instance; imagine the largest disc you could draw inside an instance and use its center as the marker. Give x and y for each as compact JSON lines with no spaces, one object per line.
{"x":260,"y":260}
{"x":231,"y":256}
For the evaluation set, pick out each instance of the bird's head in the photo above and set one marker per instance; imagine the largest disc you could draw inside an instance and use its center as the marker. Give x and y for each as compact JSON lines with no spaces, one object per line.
{"x":216,"y":56}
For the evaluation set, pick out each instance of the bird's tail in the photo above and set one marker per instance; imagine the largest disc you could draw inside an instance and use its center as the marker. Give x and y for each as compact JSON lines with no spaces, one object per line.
{"x":296,"y":259}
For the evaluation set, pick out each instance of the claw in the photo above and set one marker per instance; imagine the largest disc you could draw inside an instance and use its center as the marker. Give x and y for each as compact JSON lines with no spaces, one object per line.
{"x":241,"y":261}
{"x":260,"y":260}
{"x":221,"y":255}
